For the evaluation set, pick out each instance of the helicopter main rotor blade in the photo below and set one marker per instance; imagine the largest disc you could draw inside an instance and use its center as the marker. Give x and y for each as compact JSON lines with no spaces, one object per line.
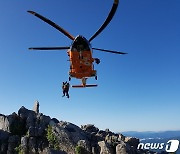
{"x":52,"y":24}
{"x":107,"y":21}
{"x":48,"y":48}
{"x":110,"y":51}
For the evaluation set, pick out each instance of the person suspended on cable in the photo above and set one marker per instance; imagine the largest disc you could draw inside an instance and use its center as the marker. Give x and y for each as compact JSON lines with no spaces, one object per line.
{"x":65,"y":88}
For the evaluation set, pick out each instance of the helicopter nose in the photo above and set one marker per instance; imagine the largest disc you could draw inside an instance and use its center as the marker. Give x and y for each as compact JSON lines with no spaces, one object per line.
{"x":79,"y":37}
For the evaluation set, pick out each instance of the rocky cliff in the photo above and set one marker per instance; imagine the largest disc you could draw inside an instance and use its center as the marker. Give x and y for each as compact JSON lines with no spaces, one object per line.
{"x":29,"y":131}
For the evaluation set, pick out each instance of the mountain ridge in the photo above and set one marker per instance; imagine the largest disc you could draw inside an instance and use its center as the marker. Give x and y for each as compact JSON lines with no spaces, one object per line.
{"x":30,"y":131}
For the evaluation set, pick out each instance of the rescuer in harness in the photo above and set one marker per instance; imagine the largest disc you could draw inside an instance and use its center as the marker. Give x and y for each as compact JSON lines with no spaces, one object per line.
{"x":65,"y":88}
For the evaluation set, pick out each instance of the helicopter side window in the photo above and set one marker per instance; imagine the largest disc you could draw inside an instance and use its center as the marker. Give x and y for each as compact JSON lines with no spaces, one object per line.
{"x":86,"y":47}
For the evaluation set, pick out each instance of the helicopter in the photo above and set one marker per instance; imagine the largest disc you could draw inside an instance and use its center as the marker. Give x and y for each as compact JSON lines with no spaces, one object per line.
{"x":80,"y":51}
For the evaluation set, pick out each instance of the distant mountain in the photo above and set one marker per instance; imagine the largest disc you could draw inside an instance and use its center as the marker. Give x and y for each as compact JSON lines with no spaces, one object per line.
{"x":155,"y":137}
{"x":151,"y":134}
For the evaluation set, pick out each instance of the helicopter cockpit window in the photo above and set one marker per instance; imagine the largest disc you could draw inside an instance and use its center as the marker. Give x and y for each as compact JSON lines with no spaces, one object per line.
{"x":80,"y":45}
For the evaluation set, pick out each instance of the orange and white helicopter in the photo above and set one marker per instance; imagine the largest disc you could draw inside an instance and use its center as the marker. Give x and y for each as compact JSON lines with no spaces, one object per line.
{"x":80,"y":51}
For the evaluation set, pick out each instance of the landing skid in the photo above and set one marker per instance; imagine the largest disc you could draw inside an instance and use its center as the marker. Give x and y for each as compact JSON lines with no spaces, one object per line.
{"x":84,"y":86}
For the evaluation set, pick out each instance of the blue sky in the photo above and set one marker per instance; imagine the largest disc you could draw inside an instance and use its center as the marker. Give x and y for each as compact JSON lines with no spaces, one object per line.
{"x":138,"y":92}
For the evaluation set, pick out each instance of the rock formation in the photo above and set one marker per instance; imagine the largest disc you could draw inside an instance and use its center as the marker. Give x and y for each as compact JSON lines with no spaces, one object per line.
{"x":36,"y":107}
{"x":31,"y":132}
